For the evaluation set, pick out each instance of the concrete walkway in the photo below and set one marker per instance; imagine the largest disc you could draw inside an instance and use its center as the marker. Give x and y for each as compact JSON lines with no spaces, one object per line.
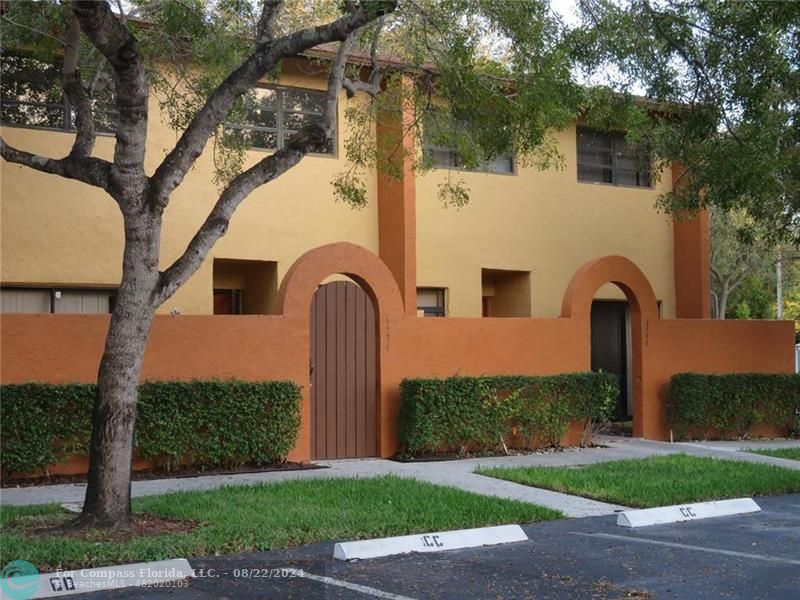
{"x":458,"y":473}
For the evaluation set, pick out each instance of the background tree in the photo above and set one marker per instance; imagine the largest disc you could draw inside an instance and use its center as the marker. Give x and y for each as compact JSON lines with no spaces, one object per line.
{"x":726,"y":78}
{"x":201,"y":58}
{"x":741,"y":259}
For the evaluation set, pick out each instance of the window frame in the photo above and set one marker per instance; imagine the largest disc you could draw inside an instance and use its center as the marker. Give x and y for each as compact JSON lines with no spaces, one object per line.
{"x":235,"y":295}
{"x":65,"y":106}
{"x":617,"y":146}
{"x":279,"y":130}
{"x":112,"y":296}
{"x":429,"y":148}
{"x":433,"y":311}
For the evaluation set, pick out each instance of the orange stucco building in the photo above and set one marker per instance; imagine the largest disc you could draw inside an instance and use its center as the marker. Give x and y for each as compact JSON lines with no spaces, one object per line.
{"x":542,"y":272}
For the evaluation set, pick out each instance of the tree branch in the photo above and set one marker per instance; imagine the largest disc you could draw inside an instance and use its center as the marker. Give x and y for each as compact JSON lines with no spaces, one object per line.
{"x":265,"y":28}
{"x":373,"y":86}
{"x":83,"y":144}
{"x":216,"y":224}
{"x":308,"y":139}
{"x":335,"y":80}
{"x":93,"y":171}
{"x":194,"y":138}
{"x":114,"y":41}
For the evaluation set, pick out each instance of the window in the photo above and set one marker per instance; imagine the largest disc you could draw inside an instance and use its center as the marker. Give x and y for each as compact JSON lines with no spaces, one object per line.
{"x":68,"y":301}
{"x":227,"y":302}
{"x":606,"y":158}
{"x":448,"y":158}
{"x":430,"y":302}
{"x":245,"y":287}
{"x":278,"y":113}
{"x":31,"y":95}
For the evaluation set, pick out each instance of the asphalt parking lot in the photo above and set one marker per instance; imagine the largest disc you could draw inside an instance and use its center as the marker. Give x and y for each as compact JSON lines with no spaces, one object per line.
{"x":748,"y":556}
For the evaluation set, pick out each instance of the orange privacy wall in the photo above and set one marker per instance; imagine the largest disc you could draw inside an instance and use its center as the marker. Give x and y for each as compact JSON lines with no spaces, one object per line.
{"x":66,"y":348}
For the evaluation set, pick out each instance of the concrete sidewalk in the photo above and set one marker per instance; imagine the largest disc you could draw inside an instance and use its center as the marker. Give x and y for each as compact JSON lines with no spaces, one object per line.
{"x":456,"y":473}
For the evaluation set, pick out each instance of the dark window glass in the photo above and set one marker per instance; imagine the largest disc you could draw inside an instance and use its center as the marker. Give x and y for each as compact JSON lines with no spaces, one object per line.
{"x":227,"y":302}
{"x":449,"y":158}
{"x":606,"y":158}
{"x":277,"y":114}
{"x":31,"y":95}
{"x":304,"y":101}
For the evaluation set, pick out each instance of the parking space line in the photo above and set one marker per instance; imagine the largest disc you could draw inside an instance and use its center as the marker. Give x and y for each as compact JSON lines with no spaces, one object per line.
{"x":364,"y":589}
{"x":635,"y":540}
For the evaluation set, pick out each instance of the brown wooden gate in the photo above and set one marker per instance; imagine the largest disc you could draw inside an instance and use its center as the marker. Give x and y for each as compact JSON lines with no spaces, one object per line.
{"x":343,"y":372}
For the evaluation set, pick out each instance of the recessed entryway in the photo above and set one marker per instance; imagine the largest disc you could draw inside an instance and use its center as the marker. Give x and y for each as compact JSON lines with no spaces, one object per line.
{"x":611,"y":334}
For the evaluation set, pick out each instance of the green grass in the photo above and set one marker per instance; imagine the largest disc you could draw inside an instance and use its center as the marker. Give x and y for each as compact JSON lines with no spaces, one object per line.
{"x":659,"y":480}
{"x":790,"y":453}
{"x":264,"y":517}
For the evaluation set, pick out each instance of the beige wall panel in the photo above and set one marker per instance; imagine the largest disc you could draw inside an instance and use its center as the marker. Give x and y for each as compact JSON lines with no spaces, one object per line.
{"x":543,"y":222}
{"x":60,"y":232}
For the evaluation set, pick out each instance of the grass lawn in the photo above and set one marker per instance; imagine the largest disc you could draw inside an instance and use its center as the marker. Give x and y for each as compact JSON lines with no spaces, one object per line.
{"x":790,"y":453}
{"x":264,"y":517}
{"x":658,"y":480}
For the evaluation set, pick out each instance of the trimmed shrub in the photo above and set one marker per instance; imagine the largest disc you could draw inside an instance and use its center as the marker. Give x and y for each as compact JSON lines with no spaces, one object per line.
{"x":482,"y":413}
{"x":731,"y":405}
{"x":203,"y":423}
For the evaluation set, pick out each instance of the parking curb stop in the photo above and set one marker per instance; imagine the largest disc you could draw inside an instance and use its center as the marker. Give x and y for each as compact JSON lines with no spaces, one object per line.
{"x":429,"y":542}
{"x":686,"y":512}
{"x":95,"y":579}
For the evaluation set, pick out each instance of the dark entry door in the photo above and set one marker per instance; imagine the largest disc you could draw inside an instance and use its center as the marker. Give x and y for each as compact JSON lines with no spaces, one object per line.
{"x":343,"y":372}
{"x":609,"y":346}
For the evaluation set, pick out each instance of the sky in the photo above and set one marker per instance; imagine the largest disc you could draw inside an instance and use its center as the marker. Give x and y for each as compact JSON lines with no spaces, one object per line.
{"x":567,"y":9}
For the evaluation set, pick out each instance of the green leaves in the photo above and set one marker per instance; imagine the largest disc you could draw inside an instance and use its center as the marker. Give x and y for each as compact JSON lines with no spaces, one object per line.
{"x":204,"y":423}
{"x":725,"y":405}
{"x":481,"y":413}
{"x":725,"y":79}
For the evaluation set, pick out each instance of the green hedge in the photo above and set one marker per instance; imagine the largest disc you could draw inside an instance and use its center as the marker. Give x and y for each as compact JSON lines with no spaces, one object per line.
{"x":730,"y":405}
{"x":207,"y":423}
{"x":482,"y":413}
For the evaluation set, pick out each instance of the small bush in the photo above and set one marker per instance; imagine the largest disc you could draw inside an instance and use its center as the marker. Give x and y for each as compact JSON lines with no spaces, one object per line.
{"x":204,"y":423}
{"x":483,"y":413}
{"x":731,"y":405}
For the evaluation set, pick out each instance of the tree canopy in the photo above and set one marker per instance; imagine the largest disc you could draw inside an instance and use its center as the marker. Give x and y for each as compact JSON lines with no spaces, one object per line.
{"x":727,"y":78}
{"x":714,"y":85}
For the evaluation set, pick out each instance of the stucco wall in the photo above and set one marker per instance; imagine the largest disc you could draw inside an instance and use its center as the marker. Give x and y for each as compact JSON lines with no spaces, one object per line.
{"x":59,"y":348}
{"x":545,"y":222}
{"x":63,"y":232}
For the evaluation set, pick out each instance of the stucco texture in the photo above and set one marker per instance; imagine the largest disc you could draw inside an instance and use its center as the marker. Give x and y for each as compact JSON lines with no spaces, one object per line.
{"x":58,"y":348}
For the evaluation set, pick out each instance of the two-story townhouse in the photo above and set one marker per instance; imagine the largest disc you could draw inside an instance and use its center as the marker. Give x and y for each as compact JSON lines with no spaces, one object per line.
{"x":541,"y":272}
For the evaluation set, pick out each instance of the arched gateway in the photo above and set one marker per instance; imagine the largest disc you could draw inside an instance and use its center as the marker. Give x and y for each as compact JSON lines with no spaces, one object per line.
{"x":346,"y":322}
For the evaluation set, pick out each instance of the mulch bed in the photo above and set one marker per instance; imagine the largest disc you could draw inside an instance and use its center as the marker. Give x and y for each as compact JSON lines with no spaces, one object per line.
{"x":445,"y":456}
{"x":142,"y":525}
{"x":178,"y":473}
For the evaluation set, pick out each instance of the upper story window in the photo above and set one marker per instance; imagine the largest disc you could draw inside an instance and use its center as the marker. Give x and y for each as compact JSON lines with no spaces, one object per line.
{"x":31,"y":96}
{"x":277,"y":113}
{"x":449,"y":158}
{"x":606,"y":158}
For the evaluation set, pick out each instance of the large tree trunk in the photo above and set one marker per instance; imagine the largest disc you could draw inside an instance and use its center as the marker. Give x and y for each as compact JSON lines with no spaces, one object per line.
{"x":108,"y":495}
